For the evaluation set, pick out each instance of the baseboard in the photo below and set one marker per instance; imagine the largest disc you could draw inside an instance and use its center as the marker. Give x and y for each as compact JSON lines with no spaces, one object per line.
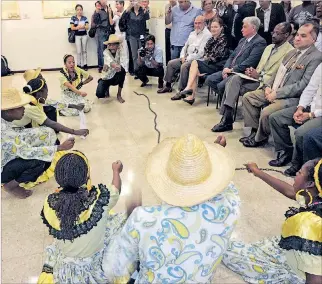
{"x":52,"y":69}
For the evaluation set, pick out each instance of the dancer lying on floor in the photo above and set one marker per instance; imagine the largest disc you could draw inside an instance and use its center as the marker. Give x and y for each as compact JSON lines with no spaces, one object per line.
{"x":35,"y":116}
{"x":78,"y":217}
{"x":182,"y":240}
{"x":296,"y":256}
{"x":71,"y":81}
{"x":28,"y":156}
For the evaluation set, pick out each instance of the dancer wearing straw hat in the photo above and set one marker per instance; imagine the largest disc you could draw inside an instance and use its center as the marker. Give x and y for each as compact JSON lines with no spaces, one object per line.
{"x":28,"y":156}
{"x":182,"y":240}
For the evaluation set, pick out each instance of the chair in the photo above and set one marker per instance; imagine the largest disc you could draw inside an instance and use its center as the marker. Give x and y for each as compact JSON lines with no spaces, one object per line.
{"x":175,"y":79}
{"x":219,"y":99}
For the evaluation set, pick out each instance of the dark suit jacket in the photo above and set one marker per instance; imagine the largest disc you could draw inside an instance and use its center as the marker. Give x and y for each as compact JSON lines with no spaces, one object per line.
{"x":250,"y":55}
{"x":277,"y":16}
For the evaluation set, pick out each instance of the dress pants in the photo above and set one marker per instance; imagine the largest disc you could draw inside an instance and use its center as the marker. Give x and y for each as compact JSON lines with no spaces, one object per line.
{"x":216,"y":82}
{"x":173,"y":67}
{"x":258,"y":118}
{"x":175,"y":51}
{"x":312,"y":144}
{"x":145,"y":71}
{"x":135,"y":45}
{"x":279,"y":123}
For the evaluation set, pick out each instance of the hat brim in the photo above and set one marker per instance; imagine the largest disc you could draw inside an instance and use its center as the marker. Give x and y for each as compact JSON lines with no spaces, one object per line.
{"x":109,"y":42}
{"x":223,"y":169}
{"x":35,"y":75}
{"x":25,"y":99}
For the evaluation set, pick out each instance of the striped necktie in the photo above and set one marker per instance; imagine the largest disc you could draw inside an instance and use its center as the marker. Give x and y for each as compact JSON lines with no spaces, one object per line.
{"x":289,"y":66}
{"x":239,"y":53}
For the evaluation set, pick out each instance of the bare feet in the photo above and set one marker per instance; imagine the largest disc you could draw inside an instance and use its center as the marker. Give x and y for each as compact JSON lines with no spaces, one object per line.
{"x":17,"y":191}
{"x":120,"y":99}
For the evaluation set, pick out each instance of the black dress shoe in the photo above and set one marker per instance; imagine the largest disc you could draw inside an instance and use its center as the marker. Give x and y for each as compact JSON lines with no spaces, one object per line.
{"x":222,"y":127}
{"x":291,"y":172}
{"x":178,"y":97}
{"x":187,"y":92}
{"x":165,"y":90}
{"x":145,"y":83}
{"x":251,"y":136}
{"x":283,"y":158}
{"x":136,"y":78}
{"x":251,"y":143}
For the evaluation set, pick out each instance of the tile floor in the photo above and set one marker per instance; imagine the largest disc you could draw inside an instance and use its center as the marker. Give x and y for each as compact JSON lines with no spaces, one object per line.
{"x":126,"y":132}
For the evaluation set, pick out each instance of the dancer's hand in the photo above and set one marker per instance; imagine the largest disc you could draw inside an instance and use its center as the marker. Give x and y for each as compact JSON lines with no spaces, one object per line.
{"x":117,"y":167}
{"x":221,"y":140}
{"x":252,"y":168}
{"x":81,"y":132}
{"x":83,"y":94}
{"x":67,"y":145}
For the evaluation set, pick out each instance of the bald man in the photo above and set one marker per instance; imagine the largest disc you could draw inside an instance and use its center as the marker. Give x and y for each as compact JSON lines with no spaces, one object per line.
{"x":192,"y":50}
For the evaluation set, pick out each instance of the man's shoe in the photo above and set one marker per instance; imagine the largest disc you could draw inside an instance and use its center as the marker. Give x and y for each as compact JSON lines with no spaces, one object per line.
{"x":187,"y":92}
{"x":291,"y":172}
{"x":145,"y":83}
{"x":178,"y":97}
{"x":222,"y":127}
{"x":251,"y":136}
{"x":136,"y":78}
{"x":283,"y":158}
{"x":251,"y":143}
{"x":165,"y":90}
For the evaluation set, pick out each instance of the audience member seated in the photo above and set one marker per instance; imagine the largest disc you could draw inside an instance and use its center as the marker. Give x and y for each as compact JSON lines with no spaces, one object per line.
{"x":208,"y":11}
{"x":216,"y":52}
{"x":114,"y":70}
{"x":304,"y":117}
{"x":182,"y":17}
{"x":312,"y":144}
{"x":318,"y":42}
{"x":302,"y":13}
{"x":242,"y":10}
{"x":246,"y":55}
{"x":183,"y":239}
{"x":71,"y":81}
{"x":284,"y":89}
{"x":28,"y":156}
{"x":150,"y":61}
{"x":268,"y":65}
{"x":193,"y":50}
{"x":270,"y":15}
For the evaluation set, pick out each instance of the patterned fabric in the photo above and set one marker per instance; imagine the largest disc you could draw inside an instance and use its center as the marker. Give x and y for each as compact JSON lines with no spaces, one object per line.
{"x":32,"y":143}
{"x":119,"y":58}
{"x":173,"y":244}
{"x":261,"y":262}
{"x":217,"y":49}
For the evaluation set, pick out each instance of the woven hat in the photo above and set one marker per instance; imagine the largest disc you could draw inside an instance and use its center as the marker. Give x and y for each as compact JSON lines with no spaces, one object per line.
{"x":31,"y":74}
{"x":113,"y":39}
{"x":11,"y":99}
{"x":187,"y":171}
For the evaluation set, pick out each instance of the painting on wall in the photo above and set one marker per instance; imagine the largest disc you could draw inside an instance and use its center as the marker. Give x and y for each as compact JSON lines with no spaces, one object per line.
{"x":58,"y":9}
{"x":10,"y":10}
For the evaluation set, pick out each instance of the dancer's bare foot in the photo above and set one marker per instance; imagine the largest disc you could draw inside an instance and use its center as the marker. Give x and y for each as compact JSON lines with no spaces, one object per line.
{"x":17,"y":191}
{"x":120,"y":99}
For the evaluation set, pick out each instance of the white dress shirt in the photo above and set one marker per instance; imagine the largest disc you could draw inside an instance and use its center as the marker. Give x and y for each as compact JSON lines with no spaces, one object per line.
{"x":312,"y":94}
{"x":267,"y":17}
{"x":195,"y":45}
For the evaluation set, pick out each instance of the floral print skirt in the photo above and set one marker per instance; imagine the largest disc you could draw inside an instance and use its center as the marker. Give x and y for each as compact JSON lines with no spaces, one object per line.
{"x":69,"y":97}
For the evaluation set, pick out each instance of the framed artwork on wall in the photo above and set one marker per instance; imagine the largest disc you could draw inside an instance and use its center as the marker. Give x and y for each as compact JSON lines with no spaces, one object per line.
{"x":58,"y":9}
{"x":10,"y":10}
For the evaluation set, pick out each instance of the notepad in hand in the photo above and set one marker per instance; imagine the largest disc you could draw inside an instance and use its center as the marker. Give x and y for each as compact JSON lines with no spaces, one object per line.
{"x":244,"y":76}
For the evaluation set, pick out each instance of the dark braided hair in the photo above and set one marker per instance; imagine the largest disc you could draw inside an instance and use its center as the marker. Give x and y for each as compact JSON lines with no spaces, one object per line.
{"x":71,"y":173}
{"x":35,"y":84}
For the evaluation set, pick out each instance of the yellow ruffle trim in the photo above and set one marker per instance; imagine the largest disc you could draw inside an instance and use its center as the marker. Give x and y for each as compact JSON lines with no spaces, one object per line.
{"x":46,"y":278}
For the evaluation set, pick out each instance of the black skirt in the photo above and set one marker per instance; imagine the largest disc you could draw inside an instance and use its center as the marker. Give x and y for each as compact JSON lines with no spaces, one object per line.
{"x":205,"y":67}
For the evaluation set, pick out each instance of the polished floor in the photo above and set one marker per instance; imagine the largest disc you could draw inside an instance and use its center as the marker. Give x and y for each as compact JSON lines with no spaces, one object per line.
{"x":125,"y":132}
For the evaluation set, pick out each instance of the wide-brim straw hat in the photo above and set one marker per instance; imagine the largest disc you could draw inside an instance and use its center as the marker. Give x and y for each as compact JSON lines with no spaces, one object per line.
{"x":11,"y":98}
{"x":113,"y":39}
{"x":187,"y":171}
{"x":31,"y":74}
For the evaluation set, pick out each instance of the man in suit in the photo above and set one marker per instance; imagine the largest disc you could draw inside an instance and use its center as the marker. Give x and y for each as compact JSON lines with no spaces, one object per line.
{"x":246,"y":55}
{"x":284,"y":88}
{"x":270,"y":15}
{"x":268,"y":65}
{"x":242,"y":9}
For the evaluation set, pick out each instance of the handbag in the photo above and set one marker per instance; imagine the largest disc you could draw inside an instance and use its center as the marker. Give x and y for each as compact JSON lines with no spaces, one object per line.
{"x":71,"y":35}
{"x":92,"y":32}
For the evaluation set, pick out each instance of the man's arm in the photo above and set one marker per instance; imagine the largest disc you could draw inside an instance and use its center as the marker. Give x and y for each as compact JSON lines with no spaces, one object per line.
{"x":168,"y":17}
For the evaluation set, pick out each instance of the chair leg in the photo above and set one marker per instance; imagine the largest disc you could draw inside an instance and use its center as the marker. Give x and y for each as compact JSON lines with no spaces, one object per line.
{"x":209,"y":89}
{"x":235,"y":114}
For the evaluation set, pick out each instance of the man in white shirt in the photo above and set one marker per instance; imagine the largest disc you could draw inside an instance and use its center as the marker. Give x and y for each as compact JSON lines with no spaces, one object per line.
{"x":193,"y":50}
{"x":304,"y":117}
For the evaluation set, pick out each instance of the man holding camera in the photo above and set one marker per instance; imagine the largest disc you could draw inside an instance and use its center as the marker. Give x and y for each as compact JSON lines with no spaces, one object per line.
{"x":150,"y":61}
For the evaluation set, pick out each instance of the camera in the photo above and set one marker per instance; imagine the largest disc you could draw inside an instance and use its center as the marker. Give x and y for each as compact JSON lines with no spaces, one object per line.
{"x":142,"y":50}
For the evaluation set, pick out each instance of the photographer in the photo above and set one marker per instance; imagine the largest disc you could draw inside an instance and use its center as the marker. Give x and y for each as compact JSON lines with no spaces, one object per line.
{"x":150,"y":61}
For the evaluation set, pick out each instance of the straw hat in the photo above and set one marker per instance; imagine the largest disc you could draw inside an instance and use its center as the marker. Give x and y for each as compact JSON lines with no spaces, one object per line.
{"x":11,"y":99}
{"x":187,"y":171}
{"x":31,"y":74}
{"x":113,"y":39}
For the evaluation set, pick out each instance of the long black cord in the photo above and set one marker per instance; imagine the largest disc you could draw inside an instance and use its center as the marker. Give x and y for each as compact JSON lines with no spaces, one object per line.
{"x":159,"y":136}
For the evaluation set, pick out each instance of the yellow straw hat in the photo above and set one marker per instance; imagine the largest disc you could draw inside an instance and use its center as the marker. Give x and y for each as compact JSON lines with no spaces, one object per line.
{"x":12,"y":98}
{"x":187,"y":171}
{"x":113,"y":39}
{"x":31,"y":74}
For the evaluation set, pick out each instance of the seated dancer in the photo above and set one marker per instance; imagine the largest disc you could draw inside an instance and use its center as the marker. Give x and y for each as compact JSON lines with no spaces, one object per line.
{"x":28,"y":156}
{"x":192,"y":50}
{"x":216,"y":51}
{"x":267,"y":66}
{"x":34,"y":114}
{"x":182,"y":240}
{"x":114,"y":70}
{"x":71,"y":81}
{"x":304,"y":117}
{"x":284,"y":88}
{"x":247,"y":54}
{"x":296,"y":256}
{"x":78,"y":217}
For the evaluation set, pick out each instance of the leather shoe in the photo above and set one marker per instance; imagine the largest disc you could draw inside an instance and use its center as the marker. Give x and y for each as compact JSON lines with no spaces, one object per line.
{"x":251,"y":143}
{"x":222,"y":127}
{"x":189,"y":101}
{"x":291,"y":172}
{"x":283,"y":158}
{"x":178,"y":97}
{"x":251,"y":136}
{"x":165,"y":90}
{"x":145,"y":83}
{"x":187,"y":92}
